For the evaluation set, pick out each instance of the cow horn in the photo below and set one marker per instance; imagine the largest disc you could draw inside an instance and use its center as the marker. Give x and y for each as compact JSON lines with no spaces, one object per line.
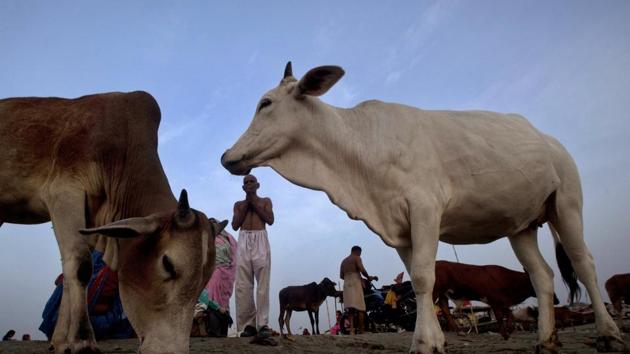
{"x":182,"y":204}
{"x":288,"y":70}
{"x":184,"y":216}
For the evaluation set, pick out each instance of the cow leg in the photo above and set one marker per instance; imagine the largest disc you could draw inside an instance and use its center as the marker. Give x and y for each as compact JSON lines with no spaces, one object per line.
{"x":73,"y":331}
{"x":509,"y":325}
{"x":287,"y":320}
{"x":568,"y":224}
{"x":525,"y":246}
{"x":317,"y":320}
{"x":59,"y":338}
{"x":616,"y":301}
{"x":502,"y":315}
{"x":618,"y":306}
{"x":443,"y":304}
{"x":420,"y":263}
{"x":310,"y":317}
{"x":281,"y":320}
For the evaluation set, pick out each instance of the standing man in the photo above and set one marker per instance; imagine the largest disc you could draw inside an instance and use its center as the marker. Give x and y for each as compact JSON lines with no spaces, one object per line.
{"x":350,"y":272}
{"x":253,"y":260}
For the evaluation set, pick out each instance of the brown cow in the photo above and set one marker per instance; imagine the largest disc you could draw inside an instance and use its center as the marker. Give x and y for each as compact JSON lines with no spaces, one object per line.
{"x":307,"y":297}
{"x":497,"y":286}
{"x":90,"y":165}
{"x":618,"y":289}
{"x":564,"y":316}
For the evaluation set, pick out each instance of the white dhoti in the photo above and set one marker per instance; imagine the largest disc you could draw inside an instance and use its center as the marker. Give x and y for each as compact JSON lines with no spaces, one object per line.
{"x":253,"y":262}
{"x":353,"y":292}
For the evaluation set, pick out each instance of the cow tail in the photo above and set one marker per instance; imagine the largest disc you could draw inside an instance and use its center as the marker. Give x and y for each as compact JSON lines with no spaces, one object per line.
{"x":569,"y":277}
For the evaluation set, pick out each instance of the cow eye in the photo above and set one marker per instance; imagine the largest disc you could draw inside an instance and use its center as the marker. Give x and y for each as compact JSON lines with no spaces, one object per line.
{"x":264,"y":103}
{"x":168,"y":266}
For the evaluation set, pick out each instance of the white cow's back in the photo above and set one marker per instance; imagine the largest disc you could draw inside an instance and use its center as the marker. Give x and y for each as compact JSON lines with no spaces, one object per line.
{"x":490,"y":172}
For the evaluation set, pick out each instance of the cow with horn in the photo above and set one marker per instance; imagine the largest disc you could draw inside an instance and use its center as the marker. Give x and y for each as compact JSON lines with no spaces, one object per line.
{"x":417,"y":177}
{"x":90,"y":165}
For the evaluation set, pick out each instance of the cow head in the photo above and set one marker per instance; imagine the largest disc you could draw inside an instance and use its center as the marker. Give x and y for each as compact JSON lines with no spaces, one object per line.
{"x":328,"y":287}
{"x":283,"y":117}
{"x":165,"y":259}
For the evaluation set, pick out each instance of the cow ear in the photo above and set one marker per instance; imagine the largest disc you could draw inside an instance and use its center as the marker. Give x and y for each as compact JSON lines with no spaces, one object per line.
{"x":217,"y":227}
{"x":319,"y":80}
{"x":127,"y":228}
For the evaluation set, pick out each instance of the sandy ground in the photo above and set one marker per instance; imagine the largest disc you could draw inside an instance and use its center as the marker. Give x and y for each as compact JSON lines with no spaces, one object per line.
{"x":579,"y":339}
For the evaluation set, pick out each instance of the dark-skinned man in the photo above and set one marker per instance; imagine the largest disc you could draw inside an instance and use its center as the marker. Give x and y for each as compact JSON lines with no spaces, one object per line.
{"x":253,"y":259}
{"x":350,"y":271}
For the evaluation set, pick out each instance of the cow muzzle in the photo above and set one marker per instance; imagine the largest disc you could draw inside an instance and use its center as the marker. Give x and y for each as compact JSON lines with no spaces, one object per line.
{"x":234,"y":165}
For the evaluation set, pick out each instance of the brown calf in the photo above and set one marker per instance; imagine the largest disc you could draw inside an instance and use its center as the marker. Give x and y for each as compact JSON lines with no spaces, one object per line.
{"x":494,"y":285}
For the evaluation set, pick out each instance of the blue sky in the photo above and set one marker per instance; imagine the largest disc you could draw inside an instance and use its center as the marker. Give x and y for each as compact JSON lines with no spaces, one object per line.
{"x":565,"y":65}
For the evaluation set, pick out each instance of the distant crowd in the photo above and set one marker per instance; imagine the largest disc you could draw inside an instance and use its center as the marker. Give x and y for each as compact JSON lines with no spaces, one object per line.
{"x":11,"y":333}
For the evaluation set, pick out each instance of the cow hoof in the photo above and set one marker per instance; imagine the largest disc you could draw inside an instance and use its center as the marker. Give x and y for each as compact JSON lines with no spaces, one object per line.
{"x":59,"y":349}
{"x":88,"y":350}
{"x":607,"y":344}
{"x":66,"y":348}
{"x":425,"y":349}
{"x":86,"y":347}
{"x":549,"y":348}
{"x":435,"y":350}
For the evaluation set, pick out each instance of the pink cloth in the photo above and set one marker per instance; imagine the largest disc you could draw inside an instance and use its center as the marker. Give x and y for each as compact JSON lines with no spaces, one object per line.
{"x":221,"y":284}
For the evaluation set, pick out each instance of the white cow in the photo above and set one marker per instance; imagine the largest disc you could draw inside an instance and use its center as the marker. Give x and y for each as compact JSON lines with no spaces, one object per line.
{"x":417,"y":177}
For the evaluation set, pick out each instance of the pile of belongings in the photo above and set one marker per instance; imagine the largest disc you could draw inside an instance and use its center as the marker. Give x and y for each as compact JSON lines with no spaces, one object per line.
{"x":210,"y":320}
{"x":104,"y":307}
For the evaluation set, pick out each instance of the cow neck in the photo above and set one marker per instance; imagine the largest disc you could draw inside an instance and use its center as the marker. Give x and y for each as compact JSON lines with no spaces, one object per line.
{"x":141,"y":190}
{"x":144,"y":191}
{"x":330,"y":157}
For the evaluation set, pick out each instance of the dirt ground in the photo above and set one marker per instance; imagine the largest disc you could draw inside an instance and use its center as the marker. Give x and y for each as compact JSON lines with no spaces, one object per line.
{"x":579,"y":339}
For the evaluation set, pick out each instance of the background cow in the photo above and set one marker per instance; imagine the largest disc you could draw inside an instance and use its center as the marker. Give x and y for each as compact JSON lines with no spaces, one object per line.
{"x":416,"y":177}
{"x":565,"y":316}
{"x":308,"y":298}
{"x":499,"y":287}
{"x":91,"y":164}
